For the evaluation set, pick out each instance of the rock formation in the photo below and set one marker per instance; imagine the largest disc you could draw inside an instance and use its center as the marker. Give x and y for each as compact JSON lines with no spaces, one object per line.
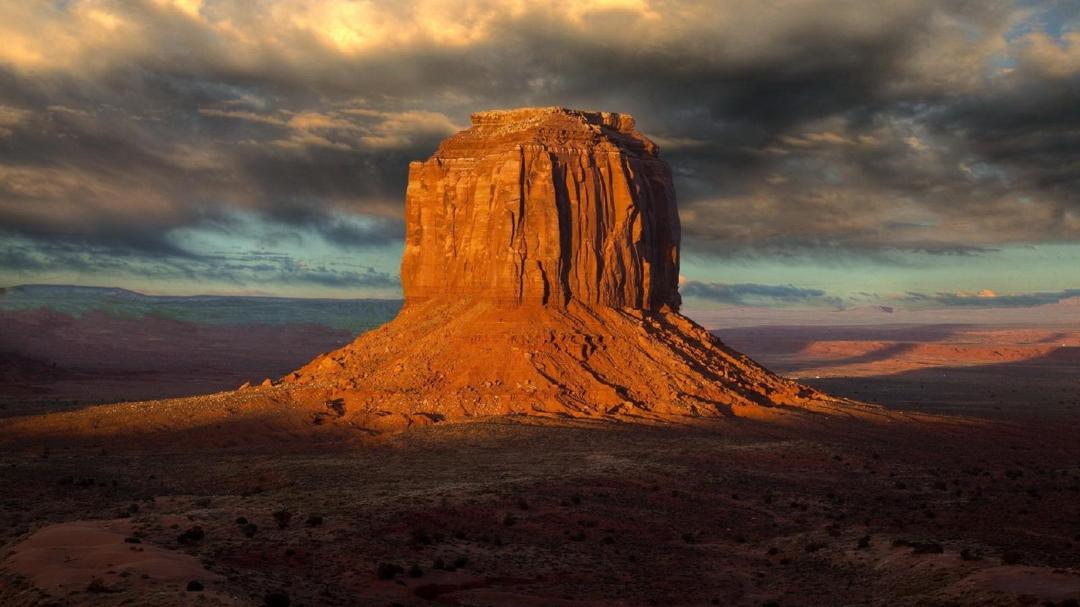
{"x":543,"y":206}
{"x":540,"y":273}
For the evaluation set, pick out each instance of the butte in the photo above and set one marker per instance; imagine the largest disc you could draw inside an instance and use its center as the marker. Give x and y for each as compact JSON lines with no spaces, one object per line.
{"x":541,"y":277}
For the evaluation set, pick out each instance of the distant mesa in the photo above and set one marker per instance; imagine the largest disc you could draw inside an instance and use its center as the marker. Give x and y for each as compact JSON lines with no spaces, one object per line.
{"x":540,"y":273}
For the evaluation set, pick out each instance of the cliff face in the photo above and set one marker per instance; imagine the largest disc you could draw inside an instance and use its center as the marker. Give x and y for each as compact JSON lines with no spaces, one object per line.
{"x":543,"y":206}
{"x":541,"y":273}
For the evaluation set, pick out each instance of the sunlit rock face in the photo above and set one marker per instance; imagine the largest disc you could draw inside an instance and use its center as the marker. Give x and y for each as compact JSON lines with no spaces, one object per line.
{"x":543,"y":206}
{"x":541,"y":278}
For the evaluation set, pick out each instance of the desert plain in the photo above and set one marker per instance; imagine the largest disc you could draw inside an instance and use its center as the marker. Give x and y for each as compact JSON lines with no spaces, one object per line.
{"x":967,"y":494}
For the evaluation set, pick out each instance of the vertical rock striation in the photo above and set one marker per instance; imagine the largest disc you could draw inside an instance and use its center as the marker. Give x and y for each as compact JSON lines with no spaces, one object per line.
{"x":543,"y":206}
{"x":540,"y":273}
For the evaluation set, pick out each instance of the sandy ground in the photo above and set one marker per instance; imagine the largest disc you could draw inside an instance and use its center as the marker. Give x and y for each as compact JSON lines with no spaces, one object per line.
{"x":530,"y":512}
{"x":1019,"y":371}
{"x":977,"y":508}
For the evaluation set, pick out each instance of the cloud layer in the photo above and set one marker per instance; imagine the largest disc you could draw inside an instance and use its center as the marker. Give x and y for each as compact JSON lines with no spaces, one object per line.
{"x":809,"y":128}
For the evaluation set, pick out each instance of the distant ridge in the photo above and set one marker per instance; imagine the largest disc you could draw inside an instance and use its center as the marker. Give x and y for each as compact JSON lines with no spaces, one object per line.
{"x":353,"y":315}
{"x":122,"y":292}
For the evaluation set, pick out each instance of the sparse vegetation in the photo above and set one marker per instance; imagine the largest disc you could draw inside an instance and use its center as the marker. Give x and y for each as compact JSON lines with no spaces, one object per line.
{"x":192,"y":535}
{"x":388,"y":571}
{"x":276,"y":599}
{"x":97,"y":586}
{"x":926,"y":548}
{"x":282,"y":518}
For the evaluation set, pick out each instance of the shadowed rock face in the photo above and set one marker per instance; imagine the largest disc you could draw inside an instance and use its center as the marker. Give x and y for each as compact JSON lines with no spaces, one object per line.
{"x":543,"y":206}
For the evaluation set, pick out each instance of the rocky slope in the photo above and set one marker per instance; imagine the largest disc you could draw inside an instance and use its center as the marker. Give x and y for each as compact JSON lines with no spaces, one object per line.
{"x":541,"y":276}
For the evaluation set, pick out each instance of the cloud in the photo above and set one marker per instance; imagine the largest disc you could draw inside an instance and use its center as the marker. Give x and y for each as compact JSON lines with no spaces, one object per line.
{"x":246,"y":268}
{"x":813,"y":128}
{"x":10,"y":117}
{"x":989,"y":299}
{"x":750,"y":294}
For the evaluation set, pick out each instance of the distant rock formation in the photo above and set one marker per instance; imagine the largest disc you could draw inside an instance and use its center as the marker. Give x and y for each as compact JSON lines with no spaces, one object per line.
{"x":540,"y":272}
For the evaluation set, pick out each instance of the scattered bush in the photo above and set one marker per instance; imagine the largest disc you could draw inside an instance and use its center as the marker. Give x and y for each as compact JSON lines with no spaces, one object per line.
{"x":388,"y":571}
{"x":314,"y":520}
{"x":193,"y":535}
{"x":282,"y":518}
{"x":864,"y":542}
{"x":420,"y":536}
{"x":97,"y":586}
{"x":249,"y":529}
{"x":970,"y":555}
{"x":276,"y":599}
{"x":194,"y":586}
{"x":926,"y":548}
{"x":1011,"y":557}
{"x":416,"y":571}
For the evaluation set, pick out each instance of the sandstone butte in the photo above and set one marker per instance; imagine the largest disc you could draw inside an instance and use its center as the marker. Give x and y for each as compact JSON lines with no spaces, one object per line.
{"x":540,"y":272}
{"x":541,"y":276}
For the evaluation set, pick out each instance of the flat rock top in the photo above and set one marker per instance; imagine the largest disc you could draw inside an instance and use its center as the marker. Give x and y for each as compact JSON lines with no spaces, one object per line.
{"x":557,"y":128}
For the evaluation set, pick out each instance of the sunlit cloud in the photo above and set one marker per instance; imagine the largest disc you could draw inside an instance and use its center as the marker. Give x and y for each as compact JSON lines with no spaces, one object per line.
{"x":813,"y":129}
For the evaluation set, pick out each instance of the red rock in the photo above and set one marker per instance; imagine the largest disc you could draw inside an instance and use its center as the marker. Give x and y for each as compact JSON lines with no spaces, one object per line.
{"x":540,"y":273}
{"x":543,"y":206}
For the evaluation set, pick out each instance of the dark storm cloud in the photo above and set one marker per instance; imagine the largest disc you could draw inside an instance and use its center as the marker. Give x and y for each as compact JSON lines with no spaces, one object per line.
{"x":797,"y":128}
{"x":756,"y":294}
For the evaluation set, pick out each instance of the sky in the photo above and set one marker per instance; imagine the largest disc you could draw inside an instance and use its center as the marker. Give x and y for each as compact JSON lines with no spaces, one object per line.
{"x":826,"y":153}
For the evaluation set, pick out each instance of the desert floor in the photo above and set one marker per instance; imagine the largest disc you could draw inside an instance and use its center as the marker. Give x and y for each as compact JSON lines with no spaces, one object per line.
{"x":979,"y":506}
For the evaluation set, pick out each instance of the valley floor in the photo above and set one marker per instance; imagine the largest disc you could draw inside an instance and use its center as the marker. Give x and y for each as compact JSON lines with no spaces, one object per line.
{"x":524,"y":512}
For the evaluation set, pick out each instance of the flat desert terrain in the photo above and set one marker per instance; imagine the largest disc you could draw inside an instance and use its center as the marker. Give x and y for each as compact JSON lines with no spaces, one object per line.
{"x":968,"y":495}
